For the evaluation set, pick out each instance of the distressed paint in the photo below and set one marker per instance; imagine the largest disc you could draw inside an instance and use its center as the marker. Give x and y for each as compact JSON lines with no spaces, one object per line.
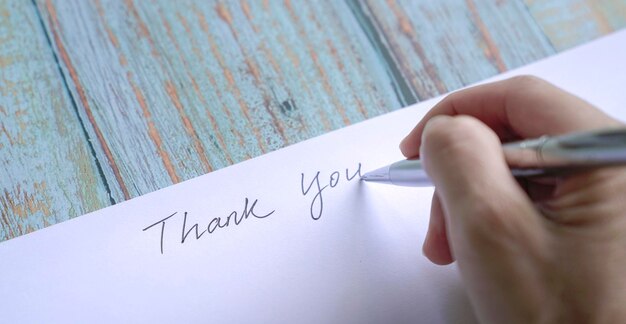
{"x":173,"y":90}
{"x":47,"y":172}
{"x":572,"y":22}
{"x":443,"y":45}
{"x":165,"y":91}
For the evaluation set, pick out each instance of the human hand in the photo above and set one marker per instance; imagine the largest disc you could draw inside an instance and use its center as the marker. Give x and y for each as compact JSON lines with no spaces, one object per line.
{"x":549,"y":250}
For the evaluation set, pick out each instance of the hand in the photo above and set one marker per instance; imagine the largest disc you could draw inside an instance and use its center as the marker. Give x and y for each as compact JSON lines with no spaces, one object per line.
{"x":552,"y":250}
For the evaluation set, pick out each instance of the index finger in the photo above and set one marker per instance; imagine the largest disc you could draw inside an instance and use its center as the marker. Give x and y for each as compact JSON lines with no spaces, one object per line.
{"x":515,"y":108}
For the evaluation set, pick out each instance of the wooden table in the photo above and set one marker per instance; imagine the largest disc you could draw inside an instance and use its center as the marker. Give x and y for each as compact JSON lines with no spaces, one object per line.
{"x":102,"y":101}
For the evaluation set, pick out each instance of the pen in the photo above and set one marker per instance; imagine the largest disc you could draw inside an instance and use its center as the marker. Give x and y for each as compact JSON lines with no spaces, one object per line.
{"x":543,"y":156}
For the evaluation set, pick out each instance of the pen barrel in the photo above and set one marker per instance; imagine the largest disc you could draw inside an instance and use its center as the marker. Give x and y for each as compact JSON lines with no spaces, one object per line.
{"x":586,"y":150}
{"x":408,"y":173}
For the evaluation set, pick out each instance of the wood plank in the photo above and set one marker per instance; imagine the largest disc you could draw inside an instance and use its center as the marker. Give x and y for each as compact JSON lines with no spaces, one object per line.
{"x":47,"y":172}
{"x":571,"y":22}
{"x":172,"y":90}
{"x":443,"y":45}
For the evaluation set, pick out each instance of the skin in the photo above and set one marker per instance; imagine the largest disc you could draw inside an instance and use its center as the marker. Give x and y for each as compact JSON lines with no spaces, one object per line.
{"x":535,"y":251}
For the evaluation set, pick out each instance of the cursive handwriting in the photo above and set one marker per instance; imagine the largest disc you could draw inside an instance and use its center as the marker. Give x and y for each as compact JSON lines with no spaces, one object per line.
{"x":213,"y":225}
{"x":179,"y":221}
{"x":317,"y":203}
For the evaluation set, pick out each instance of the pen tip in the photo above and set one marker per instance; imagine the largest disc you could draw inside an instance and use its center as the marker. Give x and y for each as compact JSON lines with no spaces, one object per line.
{"x":378,"y":175}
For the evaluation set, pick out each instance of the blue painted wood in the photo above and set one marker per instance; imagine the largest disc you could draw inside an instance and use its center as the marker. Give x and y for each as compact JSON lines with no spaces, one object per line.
{"x":47,"y":172}
{"x":172,"y":90}
{"x":572,"y":22}
{"x":165,"y":91}
{"x":443,"y":45}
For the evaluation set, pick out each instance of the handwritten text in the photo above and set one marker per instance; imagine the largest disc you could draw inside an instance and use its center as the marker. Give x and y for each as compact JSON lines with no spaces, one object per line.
{"x":317,"y":203}
{"x":215,"y":223}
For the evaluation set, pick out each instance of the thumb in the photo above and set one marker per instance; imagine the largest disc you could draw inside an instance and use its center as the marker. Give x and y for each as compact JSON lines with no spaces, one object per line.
{"x":464,"y":159}
{"x":493,"y":229}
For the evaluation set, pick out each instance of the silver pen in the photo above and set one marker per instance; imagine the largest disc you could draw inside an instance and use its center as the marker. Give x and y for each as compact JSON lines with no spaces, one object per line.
{"x":543,"y":156}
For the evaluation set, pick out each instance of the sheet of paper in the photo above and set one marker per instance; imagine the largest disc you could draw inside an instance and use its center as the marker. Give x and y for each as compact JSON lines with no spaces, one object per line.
{"x":291,"y":236}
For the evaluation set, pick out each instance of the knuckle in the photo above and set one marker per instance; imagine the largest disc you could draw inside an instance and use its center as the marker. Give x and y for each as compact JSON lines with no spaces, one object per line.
{"x":528,"y":87}
{"x":527,"y":82}
{"x":455,"y":98}
{"x":454,"y":136}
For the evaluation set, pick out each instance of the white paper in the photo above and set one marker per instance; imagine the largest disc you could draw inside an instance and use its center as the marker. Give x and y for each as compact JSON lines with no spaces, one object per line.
{"x":360,"y":262}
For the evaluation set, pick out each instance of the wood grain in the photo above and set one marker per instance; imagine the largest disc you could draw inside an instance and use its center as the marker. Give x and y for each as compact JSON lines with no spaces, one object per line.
{"x":162,"y":91}
{"x":173,"y":90}
{"x":47,"y":172}
{"x":573,"y":22}
{"x":443,"y":45}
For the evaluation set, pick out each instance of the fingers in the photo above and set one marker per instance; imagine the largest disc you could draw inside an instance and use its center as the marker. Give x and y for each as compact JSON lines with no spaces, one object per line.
{"x":436,"y":247}
{"x":592,"y":198}
{"x":514,"y":261}
{"x":520,"y":107}
{"x":492,"y":227}
{"x":479,"y":196}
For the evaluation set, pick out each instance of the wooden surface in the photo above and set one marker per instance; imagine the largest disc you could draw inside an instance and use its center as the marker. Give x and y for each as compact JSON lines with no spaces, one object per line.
{"x":47,"y":170}
{"x":102,"y":101}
